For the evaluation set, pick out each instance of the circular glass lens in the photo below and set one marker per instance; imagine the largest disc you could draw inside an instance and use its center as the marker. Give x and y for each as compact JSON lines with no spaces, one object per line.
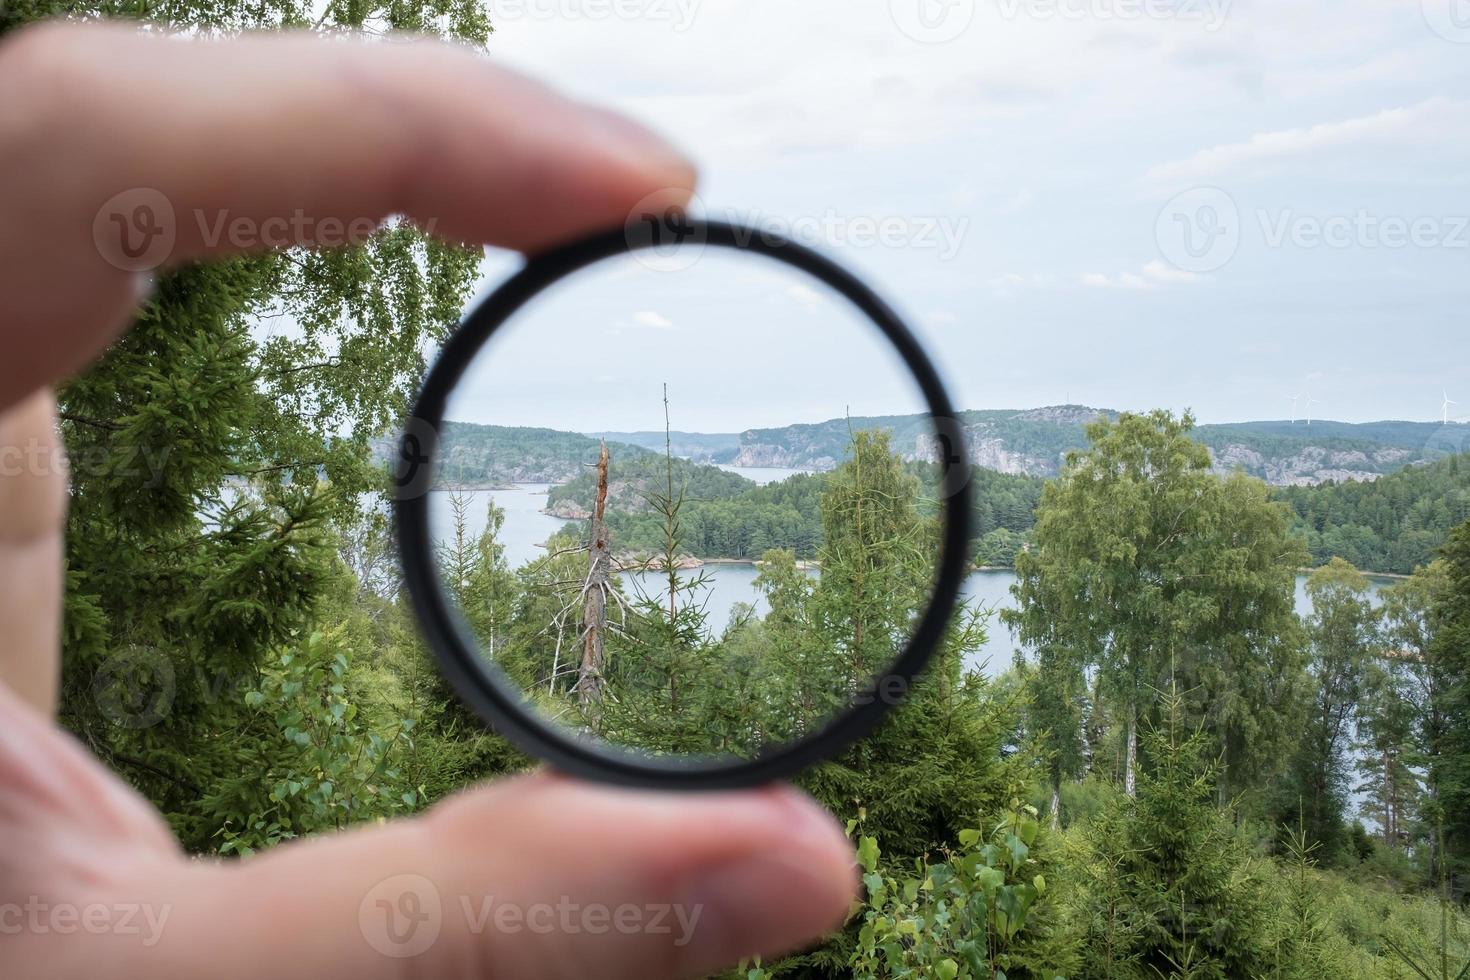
{"x":688,"y":508}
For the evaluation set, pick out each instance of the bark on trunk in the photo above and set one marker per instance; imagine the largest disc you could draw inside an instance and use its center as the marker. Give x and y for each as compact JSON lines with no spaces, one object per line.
{"x":1056,"y":806}
{"x":590,"y":681}
{"x":1130,"y":775}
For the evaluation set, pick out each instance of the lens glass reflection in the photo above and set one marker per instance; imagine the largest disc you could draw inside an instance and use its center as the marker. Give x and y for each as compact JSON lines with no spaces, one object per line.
{"x":688,"y":510}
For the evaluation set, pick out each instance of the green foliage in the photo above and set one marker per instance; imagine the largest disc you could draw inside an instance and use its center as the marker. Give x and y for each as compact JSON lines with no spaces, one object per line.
{"x":463,"y":19}
{"x":1167,"y":886}
{"x":1146,"y":565}
{"x":1448,"y":729}
{"x":979,"y":913}
{"x":1388,"y":526}
{"x":309,"y":759}
{"x":1342,"y":635}
{"x":1392,"y":525}
{"x":477,"y":456}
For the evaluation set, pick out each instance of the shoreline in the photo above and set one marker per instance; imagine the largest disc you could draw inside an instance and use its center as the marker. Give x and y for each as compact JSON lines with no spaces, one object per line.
{"x":805,"y":565}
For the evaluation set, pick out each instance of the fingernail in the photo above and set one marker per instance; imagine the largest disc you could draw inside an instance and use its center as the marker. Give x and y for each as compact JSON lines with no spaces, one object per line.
{"x":808,"y":820}
{"x":766,"y":904}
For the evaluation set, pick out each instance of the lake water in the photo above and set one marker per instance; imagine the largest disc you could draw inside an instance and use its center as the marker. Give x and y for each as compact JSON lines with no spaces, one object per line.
{"x":527,"y":529}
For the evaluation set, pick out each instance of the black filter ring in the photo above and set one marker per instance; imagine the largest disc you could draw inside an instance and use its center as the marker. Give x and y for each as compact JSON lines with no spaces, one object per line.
{"x":491,"y":696}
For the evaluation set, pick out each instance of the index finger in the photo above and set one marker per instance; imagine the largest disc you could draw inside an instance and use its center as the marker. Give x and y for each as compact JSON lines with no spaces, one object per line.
{"x":289,"y":132}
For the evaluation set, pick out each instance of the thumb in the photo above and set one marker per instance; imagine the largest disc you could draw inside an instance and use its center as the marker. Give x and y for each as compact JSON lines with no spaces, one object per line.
{"x":534,"y":877}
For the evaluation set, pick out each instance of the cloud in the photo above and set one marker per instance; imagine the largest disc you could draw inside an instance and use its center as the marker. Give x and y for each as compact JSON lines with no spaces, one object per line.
{"x":1434,"y":121}
{"x":649,"y":318}
{"x":805,"y":295}
{"x":1159,"y":272}
{"x":1154,"y":275}
{"x":1007,"y":283}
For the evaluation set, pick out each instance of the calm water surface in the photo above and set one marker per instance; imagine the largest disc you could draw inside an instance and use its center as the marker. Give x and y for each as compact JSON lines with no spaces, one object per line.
{"x":527,"y":529}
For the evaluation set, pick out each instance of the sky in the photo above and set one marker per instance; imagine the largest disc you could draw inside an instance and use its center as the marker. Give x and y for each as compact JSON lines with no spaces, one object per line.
{"x":1129,"y":204}
{"x":741,"y":341}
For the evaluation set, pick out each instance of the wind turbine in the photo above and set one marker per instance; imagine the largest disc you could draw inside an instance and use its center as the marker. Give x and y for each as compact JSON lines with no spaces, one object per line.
{"x":1445,"y":408}
{"x":1295,"y":401}
{"x":1310,"y":402}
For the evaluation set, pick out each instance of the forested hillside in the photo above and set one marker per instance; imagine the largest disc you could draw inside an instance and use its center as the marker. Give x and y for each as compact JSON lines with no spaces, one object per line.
{"x":634,"y":474}
{"x":492,"y":455}
{"x":1387,"y":525}
{"x":717,"y":448}
{"x":1035,"y":442}
{"x":1392,"y":525}
{"x":728,"y":516}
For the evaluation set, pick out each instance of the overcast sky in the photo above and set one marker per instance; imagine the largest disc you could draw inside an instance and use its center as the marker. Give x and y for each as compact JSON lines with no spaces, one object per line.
{"x":1123,"y":203}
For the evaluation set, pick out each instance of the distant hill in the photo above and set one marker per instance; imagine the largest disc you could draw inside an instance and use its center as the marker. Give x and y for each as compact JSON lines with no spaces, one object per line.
{"x":1035,"y":442}
{"x":1381,"y":494}
{"x":1031,"y":442}
{"x":491,"y":455}
{"x":717,"y":448}
{"x":631,"y":479}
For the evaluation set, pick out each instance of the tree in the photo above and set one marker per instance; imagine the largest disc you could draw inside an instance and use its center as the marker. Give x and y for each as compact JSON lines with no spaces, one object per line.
{"x":1170,"y":889}
{"x":1386,"y":724}
{"x":473,"y":572}
{"x":944,"y":758}
{"x":1412,"y":620}
{"x":1448,"y":740}
{"x":1146,"y":564}
{"x":986,"y":911}
{"x":1056,"y":717}
{"x":1342,"y":640}
{"x":877,"y":558}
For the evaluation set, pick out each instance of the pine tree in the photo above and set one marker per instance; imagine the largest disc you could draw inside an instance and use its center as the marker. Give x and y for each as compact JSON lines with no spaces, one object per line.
{"x":1171,"y":889}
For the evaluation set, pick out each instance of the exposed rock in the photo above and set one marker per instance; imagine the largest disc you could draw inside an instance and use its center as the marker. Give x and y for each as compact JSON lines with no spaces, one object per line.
{"x":1065,"y":415}
{"x":765,"y":455}
{"x":988,"y":452}
{"x":1311,"y":466}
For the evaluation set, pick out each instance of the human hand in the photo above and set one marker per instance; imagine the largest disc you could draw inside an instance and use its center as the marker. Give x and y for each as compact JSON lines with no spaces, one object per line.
{"x":91,"y":883}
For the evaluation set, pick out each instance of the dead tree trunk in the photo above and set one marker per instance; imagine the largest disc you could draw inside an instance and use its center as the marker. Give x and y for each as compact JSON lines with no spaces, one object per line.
{"x":590,"y":682}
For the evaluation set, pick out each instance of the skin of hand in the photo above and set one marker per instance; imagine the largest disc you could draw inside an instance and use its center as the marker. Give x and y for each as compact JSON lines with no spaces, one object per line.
{"x":91,"y":882}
